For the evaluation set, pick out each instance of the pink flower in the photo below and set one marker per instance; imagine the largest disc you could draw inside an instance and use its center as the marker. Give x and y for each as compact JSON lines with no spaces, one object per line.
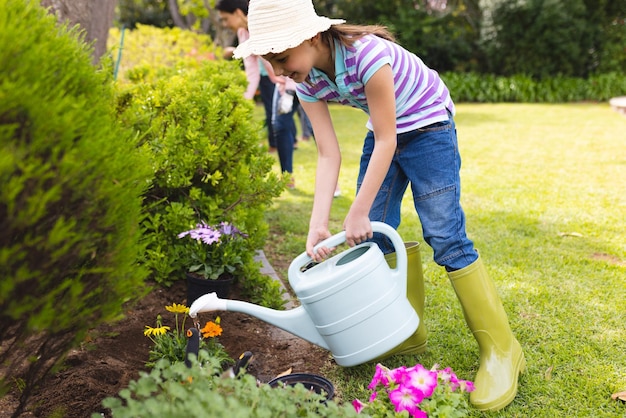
{"x":399,"y":376}
{"x":422,"y":379}
{"x":467,"y":385}
{"x":406,"y":398}
{"x":445,"y":374}
{"x":358,"y":405}
{"x":381,"y":376}
{"x":373,"y":396}
{"x":415,"y":390}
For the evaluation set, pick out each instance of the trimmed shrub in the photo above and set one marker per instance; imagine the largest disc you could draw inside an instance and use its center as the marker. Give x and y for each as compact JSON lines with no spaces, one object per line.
{"x":147,"y":51}
{"x":70,"y":201}
{"x":488,"y":88}
{"x":208,"y":166}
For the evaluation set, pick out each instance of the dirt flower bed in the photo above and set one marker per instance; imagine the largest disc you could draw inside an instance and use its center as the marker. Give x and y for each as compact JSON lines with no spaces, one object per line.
{"x":115,"y":354}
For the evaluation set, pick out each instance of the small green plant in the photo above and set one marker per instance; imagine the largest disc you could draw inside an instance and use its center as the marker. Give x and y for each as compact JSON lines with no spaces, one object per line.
{"x":174,"y":390}
{"x":216,"y":250}
{"x":416,"y":391}
{"x":171,"y":343}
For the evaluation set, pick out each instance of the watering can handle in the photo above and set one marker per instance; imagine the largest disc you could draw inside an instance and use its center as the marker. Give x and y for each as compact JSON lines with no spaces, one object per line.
{"x":340,"y":238}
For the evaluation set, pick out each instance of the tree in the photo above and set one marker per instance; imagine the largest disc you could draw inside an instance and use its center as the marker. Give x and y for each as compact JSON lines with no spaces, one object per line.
{"x":94,"y":17}
{"x":154,"y":13}
{"x":443,"y":33}
{"x":540,"y":38}
{"x":201,"y":15}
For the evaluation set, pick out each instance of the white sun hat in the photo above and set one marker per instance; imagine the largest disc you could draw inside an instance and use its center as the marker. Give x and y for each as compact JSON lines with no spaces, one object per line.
{"x":277,"y":25}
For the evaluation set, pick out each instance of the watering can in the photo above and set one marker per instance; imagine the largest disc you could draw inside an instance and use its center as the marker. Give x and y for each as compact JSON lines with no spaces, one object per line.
{"x":352,"y":304}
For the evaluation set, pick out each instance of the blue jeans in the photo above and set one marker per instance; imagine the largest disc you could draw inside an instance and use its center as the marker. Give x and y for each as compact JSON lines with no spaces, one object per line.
{"x":284,"y":130}
{"x":305,"y":123}
{"x":427,"y":158}
{"x":267,"y":96}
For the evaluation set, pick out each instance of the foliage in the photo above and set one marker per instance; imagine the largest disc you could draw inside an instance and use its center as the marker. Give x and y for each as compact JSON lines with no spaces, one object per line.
{"x":148,"y":51}
{"x":540,"y":38}
{"x":445,"y":40}
{"x":171,"y":343}
{"x":70,"y":200}
{"x":416,"y":390}
{"x":225,"y":244}
{"x":474,"y":87}
{"x":207,"y":164}
{"x":172,"y":391}
{"x":536,"y":37}
{"x":129,"y":13}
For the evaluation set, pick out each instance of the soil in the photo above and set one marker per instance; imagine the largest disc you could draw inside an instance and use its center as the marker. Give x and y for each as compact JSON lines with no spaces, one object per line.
{"x":117,"y":353}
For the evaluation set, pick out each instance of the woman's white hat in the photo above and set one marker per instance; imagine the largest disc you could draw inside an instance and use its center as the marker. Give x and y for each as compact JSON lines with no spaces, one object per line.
{"x":277,"y":25}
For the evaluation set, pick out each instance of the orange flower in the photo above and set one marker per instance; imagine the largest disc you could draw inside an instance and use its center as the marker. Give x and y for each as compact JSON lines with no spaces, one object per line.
{"x":211,"y":329}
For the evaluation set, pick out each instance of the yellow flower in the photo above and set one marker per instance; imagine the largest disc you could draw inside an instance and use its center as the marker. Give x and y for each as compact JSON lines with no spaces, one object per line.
{"x":148,"y":331}
{"x":160,"y":330}
{"x":155,"y":331}
{"x":211,"y":329}
{"x":177,"y":308}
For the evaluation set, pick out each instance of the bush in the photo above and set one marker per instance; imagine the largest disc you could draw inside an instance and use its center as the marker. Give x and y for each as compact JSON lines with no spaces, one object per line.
{"x":177,"y":391}
{"x":70,"y":200}
{"x":148,"y":51}
{"x":207,"y":164}
{"x":473,"y":87}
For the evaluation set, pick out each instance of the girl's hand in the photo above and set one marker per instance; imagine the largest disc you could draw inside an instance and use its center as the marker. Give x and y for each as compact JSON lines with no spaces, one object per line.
{"x":317,"y":235}
{"x":358,"y":229}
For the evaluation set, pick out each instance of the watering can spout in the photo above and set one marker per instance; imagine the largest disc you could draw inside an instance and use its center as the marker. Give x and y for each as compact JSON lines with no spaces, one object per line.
{"x":295,"y":321}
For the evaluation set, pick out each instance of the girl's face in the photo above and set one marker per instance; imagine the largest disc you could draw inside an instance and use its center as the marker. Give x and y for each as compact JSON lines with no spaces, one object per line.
{"x":295,"y":63}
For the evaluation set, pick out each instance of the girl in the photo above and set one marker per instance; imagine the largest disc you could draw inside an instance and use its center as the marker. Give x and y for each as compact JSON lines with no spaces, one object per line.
{"x":411,"y":139}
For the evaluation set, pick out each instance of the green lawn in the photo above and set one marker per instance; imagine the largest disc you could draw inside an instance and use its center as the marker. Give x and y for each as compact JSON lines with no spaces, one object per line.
{"x":544,"y":191}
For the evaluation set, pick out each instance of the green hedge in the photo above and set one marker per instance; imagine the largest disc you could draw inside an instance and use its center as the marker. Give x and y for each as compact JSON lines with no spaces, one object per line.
{"x":207,"y":166}
{"x":486,"y":88}
{"x":70,"y":200}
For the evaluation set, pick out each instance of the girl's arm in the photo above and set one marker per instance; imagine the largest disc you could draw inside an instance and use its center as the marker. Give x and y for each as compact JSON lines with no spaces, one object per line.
{"x":381,"y":101}
{"x":327,"y":174}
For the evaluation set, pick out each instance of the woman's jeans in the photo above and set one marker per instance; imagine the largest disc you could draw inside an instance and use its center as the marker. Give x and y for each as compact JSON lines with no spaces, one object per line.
{"x":305,"y":123}
{"x":267,"y":96}
{"x":427,"y":158}
{"x":284,"y":129}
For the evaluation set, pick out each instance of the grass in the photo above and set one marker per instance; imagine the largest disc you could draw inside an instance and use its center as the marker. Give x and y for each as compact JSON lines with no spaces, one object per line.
{"x":544,"y":191}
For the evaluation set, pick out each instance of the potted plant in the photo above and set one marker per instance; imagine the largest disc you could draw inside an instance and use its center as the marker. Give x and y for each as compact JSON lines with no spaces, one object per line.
{"x":215,"y":259}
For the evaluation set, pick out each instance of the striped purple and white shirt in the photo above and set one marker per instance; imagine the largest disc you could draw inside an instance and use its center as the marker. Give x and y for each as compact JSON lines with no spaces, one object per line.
{"x":422,"y":98}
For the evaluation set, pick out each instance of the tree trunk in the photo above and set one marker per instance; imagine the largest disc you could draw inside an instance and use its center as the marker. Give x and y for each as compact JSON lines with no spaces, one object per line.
{"x":175,"y":13}
{"x":94,"y":17}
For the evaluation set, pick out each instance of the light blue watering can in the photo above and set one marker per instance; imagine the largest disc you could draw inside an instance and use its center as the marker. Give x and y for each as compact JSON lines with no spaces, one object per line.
{"x":352,"y":304}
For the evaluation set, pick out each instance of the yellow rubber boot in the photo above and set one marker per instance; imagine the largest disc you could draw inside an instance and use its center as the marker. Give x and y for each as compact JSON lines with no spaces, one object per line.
{"x":501,"y":355}
{"x":416,"y":343}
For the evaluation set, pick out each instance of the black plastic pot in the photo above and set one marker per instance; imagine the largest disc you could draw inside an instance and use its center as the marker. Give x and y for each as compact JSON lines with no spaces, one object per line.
{"x":197,"y":287}
{"x":312,"y":382}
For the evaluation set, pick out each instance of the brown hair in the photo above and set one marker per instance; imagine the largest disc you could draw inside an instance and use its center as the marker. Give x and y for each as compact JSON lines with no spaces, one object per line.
{"x":347,"y":34}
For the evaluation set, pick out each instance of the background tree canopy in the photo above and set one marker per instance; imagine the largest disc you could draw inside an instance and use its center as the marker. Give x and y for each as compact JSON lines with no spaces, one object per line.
{"x":537,"y":38}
